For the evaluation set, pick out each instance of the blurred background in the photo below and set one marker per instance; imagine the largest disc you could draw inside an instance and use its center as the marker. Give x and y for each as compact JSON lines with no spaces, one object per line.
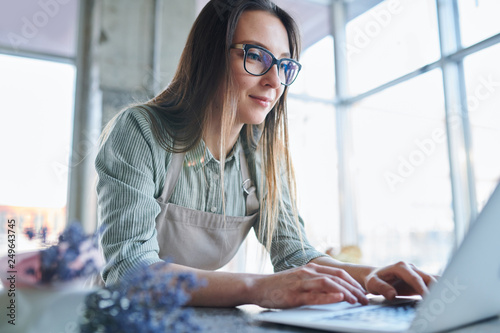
{"x":397,"y":111}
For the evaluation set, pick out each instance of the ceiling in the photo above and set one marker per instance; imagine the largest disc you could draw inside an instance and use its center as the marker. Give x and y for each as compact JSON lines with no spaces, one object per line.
{"x":313,"y":16}
{"x":58,"y":37}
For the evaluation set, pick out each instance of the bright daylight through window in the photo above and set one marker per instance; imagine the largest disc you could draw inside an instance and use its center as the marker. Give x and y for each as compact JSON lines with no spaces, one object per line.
{"x":398,"y":124}
{"x":37,"y":105}
{"x":37,"y":56}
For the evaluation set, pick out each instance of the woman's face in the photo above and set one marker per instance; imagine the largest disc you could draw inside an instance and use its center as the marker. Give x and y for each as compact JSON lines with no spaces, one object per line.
{"x":258,"y":94}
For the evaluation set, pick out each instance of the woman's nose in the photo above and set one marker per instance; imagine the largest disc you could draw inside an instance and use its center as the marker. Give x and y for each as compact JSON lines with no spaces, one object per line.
{"x":271,"y":78}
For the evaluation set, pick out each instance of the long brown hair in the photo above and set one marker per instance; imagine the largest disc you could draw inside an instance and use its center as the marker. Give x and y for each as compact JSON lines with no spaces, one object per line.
{"x":182,"y":111}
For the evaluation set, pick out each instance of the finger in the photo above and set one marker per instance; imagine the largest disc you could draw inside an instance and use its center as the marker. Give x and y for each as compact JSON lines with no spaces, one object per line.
{"x":360,"y":295}
{"x":339,"y":273}
{"x":378,"y":286}
{"x":347,"y":281}
{"x":325,"y":284}
{"x":428,"y":279}
{"x":408,"y":273}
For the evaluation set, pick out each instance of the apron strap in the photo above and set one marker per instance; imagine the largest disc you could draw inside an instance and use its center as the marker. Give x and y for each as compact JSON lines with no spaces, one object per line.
{"x":174,"y":171}
{"x":252,"y":203}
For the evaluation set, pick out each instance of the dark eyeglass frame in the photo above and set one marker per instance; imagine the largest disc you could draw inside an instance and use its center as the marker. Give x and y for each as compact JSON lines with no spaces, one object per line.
{"x":246,"y":47}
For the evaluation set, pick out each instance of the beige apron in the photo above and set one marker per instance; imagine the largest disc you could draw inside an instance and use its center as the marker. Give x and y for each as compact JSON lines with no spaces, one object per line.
{"x":201,"y":239}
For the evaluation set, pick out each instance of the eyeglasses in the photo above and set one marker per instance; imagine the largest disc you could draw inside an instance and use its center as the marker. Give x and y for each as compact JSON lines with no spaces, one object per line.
{"x":258,"y":61}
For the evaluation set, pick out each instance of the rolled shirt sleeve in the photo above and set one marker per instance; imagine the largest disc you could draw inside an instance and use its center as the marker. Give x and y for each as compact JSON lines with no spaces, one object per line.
{"x":126,"y":197}
{"x":287,"y":249}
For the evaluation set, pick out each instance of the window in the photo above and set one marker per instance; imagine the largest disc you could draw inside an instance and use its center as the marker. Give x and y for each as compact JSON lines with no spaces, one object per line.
{"x":37,"y":110}
{"x":37,"y":53}
{"x":402,"y":174}
{"x":314,"y":154}
{"x":313,"y":144}
{"x":405,"y":208}
{"x":482,"y":79}
{"x":316,"y":79}
{"x":390,"y":40}
{"x":478,"y":20}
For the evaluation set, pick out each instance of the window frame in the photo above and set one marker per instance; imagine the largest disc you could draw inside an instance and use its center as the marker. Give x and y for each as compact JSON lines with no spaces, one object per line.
{"x":463,"y":184}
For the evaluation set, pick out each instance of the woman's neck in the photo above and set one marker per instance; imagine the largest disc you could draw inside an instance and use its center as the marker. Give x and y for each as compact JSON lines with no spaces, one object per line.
{"x":213,"y":137}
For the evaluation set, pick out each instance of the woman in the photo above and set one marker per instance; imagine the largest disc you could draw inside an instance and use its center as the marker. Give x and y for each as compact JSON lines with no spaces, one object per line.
{"x":187,"y":174}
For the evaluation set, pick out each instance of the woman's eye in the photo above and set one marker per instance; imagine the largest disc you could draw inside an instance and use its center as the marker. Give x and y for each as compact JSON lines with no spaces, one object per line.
{"x":254,"y":56}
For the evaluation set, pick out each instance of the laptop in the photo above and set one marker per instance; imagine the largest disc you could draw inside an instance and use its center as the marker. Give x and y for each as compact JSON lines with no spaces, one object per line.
{"x":466,"y":293}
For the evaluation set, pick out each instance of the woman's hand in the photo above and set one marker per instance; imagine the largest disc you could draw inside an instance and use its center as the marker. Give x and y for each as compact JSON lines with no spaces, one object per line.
{"x":309,"y":284}
{"x":400,"y":279}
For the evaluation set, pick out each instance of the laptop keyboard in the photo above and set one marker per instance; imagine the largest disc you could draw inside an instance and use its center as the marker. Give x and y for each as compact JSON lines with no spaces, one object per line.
{"x":389,"y":314}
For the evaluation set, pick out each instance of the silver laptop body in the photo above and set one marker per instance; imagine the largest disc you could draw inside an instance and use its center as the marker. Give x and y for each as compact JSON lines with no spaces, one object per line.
{"x":466,"y":293}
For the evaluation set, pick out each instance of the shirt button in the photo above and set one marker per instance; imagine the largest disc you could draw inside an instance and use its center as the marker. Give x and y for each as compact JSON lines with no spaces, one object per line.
{"x":213,"y":209}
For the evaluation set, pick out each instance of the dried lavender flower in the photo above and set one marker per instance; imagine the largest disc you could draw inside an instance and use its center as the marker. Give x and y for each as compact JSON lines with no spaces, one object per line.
{"x":151,"y":301}
{"x":30,"y":233}
{"x":75,"y":256}
{"x":73,"y":235}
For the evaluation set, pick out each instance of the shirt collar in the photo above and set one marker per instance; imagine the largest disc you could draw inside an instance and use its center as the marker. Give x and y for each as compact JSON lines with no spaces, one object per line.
{"x":197,"y":157}
{"x":235,"y":154}
{"x":200,"y":156}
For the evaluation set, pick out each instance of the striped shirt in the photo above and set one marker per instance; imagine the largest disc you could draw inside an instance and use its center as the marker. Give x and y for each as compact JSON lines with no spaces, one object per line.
{"x":132,"y":169}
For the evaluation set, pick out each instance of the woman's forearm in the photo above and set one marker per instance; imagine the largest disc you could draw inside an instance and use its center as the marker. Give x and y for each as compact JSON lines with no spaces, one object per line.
{"x":221,"y":289}
{"x":225,"y":289}
{"x":309,"y":284}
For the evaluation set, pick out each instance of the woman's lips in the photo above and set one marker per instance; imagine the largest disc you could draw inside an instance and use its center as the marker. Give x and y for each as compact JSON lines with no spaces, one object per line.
{"x":262,"y":100}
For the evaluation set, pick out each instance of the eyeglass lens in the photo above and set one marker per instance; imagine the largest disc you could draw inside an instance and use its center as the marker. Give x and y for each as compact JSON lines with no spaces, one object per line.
{"x":258,"y":61}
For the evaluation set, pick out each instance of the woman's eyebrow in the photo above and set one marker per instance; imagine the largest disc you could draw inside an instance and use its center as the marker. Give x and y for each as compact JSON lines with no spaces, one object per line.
{"x":254,"y":42}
